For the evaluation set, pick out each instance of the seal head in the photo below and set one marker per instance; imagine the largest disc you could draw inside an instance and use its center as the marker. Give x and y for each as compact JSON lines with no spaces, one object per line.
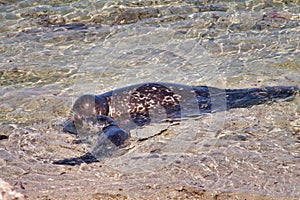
{"x":86,"y":109}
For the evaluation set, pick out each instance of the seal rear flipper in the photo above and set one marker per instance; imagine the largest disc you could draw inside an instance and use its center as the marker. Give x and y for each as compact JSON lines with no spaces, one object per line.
{"x":86,"y":158}
{"x":282,"y":92}
{"x":243,"y":98}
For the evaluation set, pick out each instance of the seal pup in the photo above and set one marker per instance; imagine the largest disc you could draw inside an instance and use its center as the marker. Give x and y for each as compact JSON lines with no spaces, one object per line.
{"x":116,"y":112}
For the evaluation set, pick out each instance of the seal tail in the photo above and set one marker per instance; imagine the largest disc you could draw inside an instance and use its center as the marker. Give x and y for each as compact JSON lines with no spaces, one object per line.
{"x":242,"y":98}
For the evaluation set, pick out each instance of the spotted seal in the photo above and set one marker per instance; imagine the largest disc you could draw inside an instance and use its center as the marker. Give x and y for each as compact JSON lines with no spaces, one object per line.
{"x":117,"y":111}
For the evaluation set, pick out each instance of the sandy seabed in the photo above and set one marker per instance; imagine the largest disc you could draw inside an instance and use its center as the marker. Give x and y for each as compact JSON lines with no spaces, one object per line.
{"x":242,"y":162}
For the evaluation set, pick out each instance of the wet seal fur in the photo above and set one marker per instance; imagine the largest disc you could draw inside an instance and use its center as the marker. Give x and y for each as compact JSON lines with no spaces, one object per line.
{"x":107,"y":111}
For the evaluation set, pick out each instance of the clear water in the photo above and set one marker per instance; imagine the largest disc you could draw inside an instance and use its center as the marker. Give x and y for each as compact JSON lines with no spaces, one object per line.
{"x":51,"y":52}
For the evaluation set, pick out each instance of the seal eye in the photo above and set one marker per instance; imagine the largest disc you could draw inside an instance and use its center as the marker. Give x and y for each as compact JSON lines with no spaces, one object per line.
{"x":87,"y":106}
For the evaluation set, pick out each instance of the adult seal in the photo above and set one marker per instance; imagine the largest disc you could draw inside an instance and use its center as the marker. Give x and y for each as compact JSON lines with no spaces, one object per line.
{"x":116,"y":112}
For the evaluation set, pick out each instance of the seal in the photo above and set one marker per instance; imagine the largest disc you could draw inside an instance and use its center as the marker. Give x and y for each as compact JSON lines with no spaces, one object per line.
{"x":116,"y":112}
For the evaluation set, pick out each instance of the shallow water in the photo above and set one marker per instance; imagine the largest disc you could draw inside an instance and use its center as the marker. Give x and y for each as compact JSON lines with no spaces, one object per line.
{"x":52,"y":52}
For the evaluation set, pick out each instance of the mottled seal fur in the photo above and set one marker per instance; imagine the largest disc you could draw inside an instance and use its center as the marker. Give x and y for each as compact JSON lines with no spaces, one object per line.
{"x":115,"y":112}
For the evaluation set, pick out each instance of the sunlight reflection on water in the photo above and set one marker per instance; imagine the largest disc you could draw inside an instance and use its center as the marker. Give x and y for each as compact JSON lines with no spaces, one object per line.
{"x":54,"y":52}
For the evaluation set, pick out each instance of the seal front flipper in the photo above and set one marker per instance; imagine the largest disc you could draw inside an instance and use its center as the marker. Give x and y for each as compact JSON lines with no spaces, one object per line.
{"x":86,"y":158}
{"x":107,"y":143}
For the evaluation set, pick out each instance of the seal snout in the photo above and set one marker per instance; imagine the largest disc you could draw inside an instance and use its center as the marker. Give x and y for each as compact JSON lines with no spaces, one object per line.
{"x":69,"y":127}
